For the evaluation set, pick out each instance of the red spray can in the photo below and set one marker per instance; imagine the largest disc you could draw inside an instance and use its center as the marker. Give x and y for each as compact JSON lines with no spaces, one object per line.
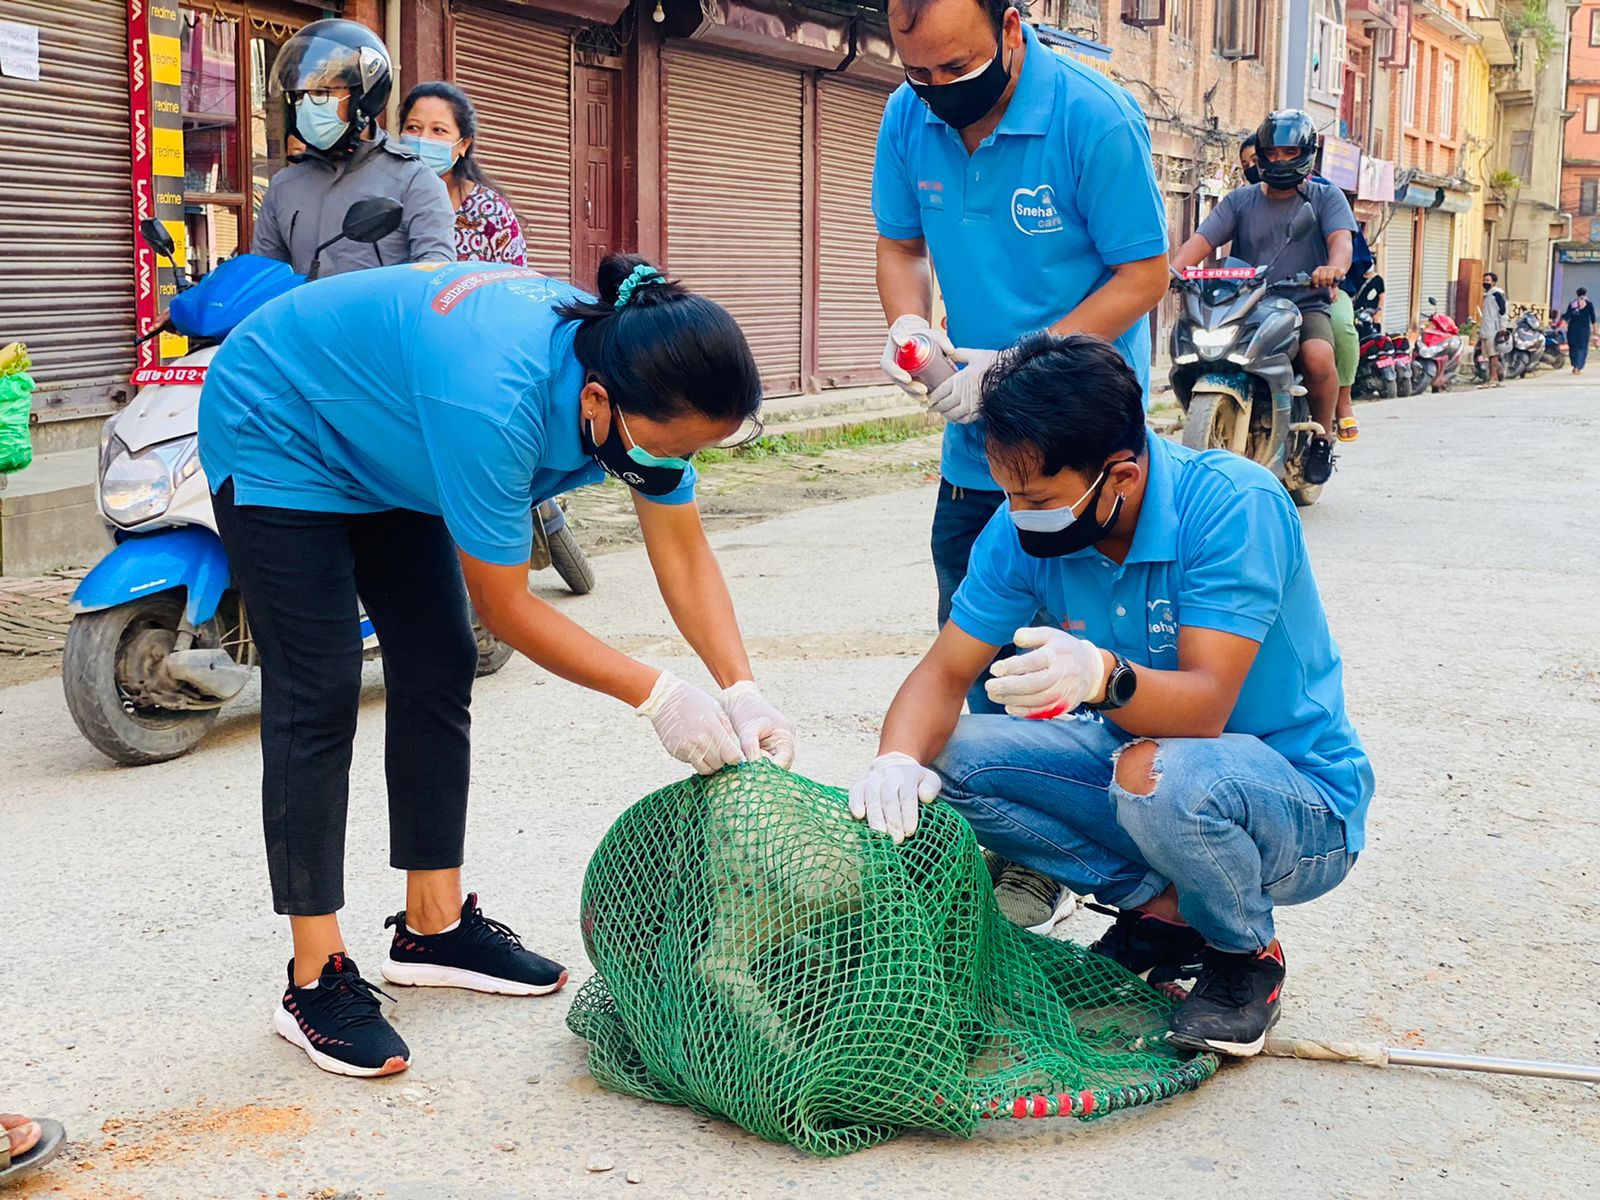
{"x":921,"y":359}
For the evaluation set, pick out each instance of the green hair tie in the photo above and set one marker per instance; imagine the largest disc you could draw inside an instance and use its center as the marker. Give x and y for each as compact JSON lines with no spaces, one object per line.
{"x":643,"y":275}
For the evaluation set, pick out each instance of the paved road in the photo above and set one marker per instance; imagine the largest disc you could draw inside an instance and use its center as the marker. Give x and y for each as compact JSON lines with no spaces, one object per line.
{"x":1459,"y":557}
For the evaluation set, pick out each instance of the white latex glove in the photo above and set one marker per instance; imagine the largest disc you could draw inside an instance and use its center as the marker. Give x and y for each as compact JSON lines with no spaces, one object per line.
{"x":762,"y":730}
{"x":691,"y":725}
{"x":899,"y":334}
{"x":1058,"y":673}
{"x":889,"y":796}
{"x":957,"y":398}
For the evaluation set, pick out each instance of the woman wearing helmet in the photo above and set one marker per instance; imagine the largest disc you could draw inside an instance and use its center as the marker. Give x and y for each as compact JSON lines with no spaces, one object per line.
{"x":334,"y":79}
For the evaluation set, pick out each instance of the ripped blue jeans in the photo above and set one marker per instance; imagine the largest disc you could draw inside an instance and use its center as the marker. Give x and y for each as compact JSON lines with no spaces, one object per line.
{"x":1228,"y":822}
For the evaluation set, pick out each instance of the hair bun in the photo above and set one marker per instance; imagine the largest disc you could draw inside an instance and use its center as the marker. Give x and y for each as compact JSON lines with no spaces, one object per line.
{"x":627,"y":279}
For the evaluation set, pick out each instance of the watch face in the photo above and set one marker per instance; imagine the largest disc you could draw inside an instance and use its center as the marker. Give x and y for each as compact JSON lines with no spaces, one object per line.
{"x":1122,"y":684}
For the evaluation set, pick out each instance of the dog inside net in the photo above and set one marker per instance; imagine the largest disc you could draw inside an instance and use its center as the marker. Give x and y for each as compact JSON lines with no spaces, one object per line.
{"x":761,"y":957}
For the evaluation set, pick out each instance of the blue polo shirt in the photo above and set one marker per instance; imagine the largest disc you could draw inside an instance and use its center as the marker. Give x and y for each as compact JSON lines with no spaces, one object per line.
{"x":443,"y":388}
{"x":1218,"y":547}
{"x":1031,"y":222}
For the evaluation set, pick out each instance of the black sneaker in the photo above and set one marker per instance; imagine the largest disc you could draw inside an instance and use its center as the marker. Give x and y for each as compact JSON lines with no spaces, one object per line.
{"x":1160,"y":952}
{"x":1234,"y":1003}
{"x":1316,"y":464}
{"x":337,"y":1023}
{"x":478,"y":954}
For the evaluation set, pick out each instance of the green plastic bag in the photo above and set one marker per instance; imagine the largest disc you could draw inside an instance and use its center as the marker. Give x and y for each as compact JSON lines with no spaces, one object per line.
{"x":16,"y":402}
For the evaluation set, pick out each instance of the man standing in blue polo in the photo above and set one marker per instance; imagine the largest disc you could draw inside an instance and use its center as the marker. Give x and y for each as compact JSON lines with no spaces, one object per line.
{"x":1024,"y":180}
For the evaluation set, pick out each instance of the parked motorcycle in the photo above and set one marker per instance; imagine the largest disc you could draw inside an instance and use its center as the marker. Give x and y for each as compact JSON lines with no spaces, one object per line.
{"x":1375,"y":372}
{"x":1555,"y":345}
{"x":1233,"y":348}
{"x":1527,"y":346}
{"x":1404,"y":361}
{"x":1437,"y":352}
{"x":160,"y":638}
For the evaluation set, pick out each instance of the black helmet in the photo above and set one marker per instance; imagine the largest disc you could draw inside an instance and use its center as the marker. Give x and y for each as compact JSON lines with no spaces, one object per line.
{"x":1291,"y":128}
{"x":329,"y":54}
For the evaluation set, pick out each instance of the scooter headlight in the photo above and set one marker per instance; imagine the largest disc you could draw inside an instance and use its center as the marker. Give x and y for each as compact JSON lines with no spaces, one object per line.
{"x":138,"y":487}
{"x":1214,"y":343}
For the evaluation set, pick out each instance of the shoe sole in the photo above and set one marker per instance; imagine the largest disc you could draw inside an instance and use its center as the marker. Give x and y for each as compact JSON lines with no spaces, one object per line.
{"x":289,"y":1030}
{"x":1231,"y":1049}
{"x":406,"y":974}
{"x":1061,"y":912}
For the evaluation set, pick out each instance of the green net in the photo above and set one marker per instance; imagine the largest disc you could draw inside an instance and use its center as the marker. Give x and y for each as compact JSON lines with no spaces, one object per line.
{"x":761,"y":957}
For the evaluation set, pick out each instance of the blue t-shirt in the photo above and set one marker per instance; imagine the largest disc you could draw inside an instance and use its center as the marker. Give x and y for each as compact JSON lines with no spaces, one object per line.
{"x":444,"y":388}
{"x":1030,"y":223}
{"x":1218,"y":547}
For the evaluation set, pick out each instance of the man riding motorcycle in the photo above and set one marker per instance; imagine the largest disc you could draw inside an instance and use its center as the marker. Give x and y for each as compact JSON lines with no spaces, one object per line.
{"x":334,"y":77}
{"x":1255,"y":219}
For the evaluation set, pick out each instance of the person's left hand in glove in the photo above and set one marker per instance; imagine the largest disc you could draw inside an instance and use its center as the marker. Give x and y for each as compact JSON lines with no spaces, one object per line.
{"x":763,"y":731}
{"x":1057,"y":674}
{"x":957,"y":398}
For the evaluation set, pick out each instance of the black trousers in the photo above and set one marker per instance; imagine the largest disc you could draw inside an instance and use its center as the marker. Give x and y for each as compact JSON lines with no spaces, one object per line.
{"x":300,"y":574}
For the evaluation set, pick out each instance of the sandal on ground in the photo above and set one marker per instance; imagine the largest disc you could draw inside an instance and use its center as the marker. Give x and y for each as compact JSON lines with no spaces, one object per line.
{"x":1347,"y":429}
{"x":47,"y":1145}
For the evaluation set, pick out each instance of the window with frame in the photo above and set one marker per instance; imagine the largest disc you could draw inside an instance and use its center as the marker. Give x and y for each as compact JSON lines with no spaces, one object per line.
{"x":1327,"y":56}
{"x":1143,"y":14}
{"x":233,"y":135}
{"x":1447,"y":100}
{"x":1238,"y":31}
{"x":1591,"y":114}
{"x":1589,"y":196}
{"x":1180,"y":18}
{"x":1408,"y":95}
{"x":1594,"y":27}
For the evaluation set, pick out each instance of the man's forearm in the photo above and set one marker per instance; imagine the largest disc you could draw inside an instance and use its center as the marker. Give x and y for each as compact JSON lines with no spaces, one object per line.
{"x":1118,"y":304}
{"x":923,"y":715}
{"x":1192,"y":253}
{"x":905,"y":281}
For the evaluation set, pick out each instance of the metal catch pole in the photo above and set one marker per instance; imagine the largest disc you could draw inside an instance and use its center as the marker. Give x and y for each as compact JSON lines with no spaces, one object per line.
{"x":1397,"y":1056}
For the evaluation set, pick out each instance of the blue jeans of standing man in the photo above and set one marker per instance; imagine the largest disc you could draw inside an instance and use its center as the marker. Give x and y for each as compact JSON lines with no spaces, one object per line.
{"x":1229,"y":822}
{"x":958,"y":519}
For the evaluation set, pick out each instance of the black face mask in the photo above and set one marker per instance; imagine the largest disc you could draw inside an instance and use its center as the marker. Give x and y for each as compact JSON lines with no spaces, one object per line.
{"x":657,"y":478}
{"x":1252,"y":174}
{"x":967,"y":100}
{"x":1079,"y":534}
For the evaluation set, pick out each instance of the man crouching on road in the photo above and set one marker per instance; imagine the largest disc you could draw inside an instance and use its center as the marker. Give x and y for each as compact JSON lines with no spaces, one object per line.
{"x":1186,"y":755}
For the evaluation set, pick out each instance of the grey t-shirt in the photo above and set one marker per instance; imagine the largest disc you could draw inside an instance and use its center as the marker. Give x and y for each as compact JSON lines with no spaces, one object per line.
{"x":1256,"y":224}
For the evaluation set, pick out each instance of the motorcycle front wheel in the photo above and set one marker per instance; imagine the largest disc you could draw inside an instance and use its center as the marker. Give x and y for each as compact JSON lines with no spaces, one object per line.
{"x":1214,"y":422}
{"x":107,"y":654}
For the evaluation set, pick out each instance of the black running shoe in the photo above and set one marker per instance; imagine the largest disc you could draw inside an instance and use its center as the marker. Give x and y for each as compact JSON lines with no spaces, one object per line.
{"x":1158,"y":951}
{"x":1316,"y":464}
{"x":1234,"y":1003}
{"x":337,"y":1023}
{"x":478,"y":954}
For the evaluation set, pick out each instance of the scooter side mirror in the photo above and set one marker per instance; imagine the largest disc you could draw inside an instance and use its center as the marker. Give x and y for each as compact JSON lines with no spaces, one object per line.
{"x":157,"y":237}
{"x":373,"y":219}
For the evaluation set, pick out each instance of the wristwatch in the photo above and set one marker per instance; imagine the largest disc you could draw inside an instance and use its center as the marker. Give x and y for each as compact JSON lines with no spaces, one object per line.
{"x":1120,"y":685}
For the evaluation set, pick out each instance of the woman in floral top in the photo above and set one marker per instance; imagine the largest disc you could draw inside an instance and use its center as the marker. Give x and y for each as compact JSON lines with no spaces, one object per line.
{"x":438,"y":123}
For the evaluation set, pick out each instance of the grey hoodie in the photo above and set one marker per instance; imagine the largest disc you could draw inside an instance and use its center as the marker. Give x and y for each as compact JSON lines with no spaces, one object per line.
{"x":306,"y":202}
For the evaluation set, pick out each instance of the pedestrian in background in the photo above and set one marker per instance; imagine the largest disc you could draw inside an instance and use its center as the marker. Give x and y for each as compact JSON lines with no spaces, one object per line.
{"x":1491,"y":320}
{"x":1580,"y":329}
{"x":438,"y":122}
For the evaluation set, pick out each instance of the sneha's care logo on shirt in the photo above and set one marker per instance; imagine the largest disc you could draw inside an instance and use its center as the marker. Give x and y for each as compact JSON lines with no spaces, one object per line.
{"x":1034,"y":210}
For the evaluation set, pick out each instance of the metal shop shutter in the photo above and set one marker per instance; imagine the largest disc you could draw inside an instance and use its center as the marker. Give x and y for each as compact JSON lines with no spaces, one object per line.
{"x":733,"y":151}
{"x":1397,"y":259}
{"x":849,"y":318}
{"x":66,"y":203}
{"x":1438,"y":230}
{"x":519,"y":75}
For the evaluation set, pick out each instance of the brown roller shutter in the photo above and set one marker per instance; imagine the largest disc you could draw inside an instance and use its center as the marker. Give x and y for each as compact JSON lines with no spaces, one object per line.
{"x":519,"y":75}
{"x":733,"y":151}
{"x":66,"y":224}
{"x":849,"y":318}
